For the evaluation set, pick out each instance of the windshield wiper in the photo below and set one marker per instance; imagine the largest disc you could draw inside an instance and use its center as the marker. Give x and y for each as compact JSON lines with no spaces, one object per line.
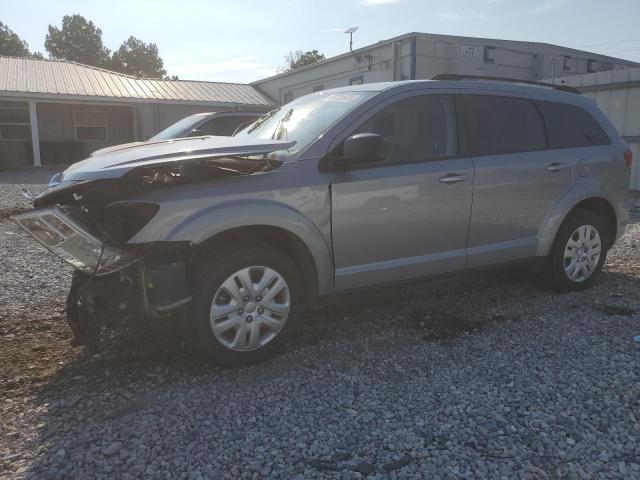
{"x":262,"y":119}
{"x":285,"y":118}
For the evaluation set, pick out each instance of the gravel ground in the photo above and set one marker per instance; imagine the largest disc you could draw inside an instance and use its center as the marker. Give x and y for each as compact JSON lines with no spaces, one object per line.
{"x":481,"y":376}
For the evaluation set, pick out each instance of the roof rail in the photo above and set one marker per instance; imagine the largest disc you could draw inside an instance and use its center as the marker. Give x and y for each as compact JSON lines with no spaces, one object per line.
{"x":455,"y":76}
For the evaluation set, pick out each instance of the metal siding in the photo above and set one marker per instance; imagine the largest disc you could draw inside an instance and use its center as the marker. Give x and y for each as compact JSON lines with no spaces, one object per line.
{"x":27,"y":75}
{"x":632,"y":118}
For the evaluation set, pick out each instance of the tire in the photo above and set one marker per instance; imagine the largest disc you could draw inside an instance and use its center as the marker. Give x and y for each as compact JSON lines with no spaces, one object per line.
{"x":560,"y":272}
{"x":218,"y":276}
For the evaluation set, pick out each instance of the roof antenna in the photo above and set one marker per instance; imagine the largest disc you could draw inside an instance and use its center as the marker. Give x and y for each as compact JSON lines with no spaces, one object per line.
{"x":350,"y":32}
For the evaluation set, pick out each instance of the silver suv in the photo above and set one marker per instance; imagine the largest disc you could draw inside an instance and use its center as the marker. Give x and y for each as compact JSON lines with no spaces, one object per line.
{"x":338,"y":190}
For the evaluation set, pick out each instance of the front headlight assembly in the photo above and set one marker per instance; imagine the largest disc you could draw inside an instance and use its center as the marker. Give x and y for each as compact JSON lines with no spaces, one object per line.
{"x":71,"y":241}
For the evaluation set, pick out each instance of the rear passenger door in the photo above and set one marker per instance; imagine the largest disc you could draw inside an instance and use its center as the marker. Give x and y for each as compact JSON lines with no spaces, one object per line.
{"x":518,"y":177}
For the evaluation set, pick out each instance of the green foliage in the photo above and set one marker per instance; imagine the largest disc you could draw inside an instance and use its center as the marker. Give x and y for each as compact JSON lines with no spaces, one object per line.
{"x":11,"y":44}
{"x":299,"y":59}
{"x":134,"y":57}
{"x":79,"y":40}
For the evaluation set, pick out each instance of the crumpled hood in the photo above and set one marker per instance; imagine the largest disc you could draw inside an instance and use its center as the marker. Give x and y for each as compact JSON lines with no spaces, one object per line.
{"x":117,"y":163}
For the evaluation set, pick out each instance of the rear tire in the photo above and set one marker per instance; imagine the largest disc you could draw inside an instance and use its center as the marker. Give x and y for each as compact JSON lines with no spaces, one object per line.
{"x":236,"y":315}
{"x":578,"y":253}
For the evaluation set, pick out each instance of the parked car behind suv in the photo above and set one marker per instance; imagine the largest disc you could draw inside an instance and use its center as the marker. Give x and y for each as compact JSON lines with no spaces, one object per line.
{"x":196,"y":125}
{"x":338,"y":190}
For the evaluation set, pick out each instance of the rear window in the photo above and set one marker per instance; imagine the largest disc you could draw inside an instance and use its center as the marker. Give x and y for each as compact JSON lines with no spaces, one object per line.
{"x":571,"y":126}
{"x":499,"y":125}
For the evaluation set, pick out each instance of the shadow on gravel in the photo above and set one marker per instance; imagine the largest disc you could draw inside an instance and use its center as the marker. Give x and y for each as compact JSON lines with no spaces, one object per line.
{"x":437,"y":310}
{"x":157,"y":351}
{"x":133,"y":370}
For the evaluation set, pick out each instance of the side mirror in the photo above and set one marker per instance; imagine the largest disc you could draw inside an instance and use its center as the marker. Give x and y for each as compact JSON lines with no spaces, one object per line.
{"x":362,"y":148}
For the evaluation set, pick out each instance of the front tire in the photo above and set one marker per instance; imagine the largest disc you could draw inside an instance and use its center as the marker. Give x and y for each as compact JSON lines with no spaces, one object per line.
{"x":578,"y":253}
{"x":246,"y":302}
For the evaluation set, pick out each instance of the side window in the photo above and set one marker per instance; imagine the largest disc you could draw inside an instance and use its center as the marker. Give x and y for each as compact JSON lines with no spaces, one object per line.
{"x":570,"y":126}
{"x":500,"y":125}
{"x":416,"y":129}
{"x":221,"y":126}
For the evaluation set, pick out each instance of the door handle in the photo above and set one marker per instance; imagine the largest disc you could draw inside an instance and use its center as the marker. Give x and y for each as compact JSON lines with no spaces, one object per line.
{"x":556,"y":167}
{"x":451,"y":178}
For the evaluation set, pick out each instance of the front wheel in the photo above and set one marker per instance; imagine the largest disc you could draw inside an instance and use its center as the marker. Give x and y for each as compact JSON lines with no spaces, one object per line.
{"x":246,"y":303}
{"x":578,"y":253}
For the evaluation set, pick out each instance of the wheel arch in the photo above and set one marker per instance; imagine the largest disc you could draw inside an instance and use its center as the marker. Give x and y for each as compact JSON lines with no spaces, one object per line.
{"x":593,"y":202}
{"x":276,"y":237}
{"x":604,"y":209}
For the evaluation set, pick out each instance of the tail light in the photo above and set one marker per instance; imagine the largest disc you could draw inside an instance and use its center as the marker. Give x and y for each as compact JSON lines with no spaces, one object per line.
{"x":628,"y":157}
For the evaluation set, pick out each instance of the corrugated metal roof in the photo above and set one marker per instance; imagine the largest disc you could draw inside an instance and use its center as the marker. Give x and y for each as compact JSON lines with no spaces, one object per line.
{"x":56,"y":78}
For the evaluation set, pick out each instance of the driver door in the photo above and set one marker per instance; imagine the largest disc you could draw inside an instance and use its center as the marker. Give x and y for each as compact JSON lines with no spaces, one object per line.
{"x":408,"y":216}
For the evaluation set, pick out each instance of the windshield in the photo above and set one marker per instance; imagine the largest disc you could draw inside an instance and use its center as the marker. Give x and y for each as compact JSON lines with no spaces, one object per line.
{"x":304,"y":119}
{"x":180,"y":129}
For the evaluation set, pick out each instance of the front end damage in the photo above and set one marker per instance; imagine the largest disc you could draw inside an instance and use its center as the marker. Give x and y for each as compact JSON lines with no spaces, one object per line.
{"x":111,"y":285}
{"x":153,"y":288}
{"x":89,"y":222}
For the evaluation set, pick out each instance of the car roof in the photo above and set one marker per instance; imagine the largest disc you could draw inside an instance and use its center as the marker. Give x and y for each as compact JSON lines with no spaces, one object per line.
{"x":497,"y":85}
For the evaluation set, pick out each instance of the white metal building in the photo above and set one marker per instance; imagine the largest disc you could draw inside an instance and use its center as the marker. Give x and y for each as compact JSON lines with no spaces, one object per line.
{"x":422,"y":55}
{"x":58,"y":112}
{"x":618,"y":95}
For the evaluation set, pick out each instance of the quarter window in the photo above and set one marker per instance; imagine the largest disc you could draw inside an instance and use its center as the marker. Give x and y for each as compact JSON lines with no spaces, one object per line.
{"x":90,"y":125}
{"x":499,"y":125}
{"x":416,"y":129}
{"x":571,"y":126}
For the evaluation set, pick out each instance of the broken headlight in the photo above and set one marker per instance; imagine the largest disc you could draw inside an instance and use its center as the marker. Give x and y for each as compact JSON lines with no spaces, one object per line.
{"x":72,"y":242}
{"x":122,"y":220}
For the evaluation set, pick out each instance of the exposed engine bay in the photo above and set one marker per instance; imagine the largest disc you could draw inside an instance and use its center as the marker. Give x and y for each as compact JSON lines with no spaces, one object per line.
{"x":88,"y":224}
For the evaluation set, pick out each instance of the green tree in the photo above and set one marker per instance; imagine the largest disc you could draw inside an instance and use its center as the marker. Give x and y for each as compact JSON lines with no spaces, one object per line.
{"x":11,"y":44}
{"x":134,"y":57}
{"x":299,"y":59}
{"x":79,"y":40}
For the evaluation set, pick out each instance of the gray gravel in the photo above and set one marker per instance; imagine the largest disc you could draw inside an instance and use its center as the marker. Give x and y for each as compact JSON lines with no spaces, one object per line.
{"x":482,"y":376}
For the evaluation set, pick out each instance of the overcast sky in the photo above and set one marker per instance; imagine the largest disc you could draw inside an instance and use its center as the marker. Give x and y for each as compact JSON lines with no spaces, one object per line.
{"x":242,"y":41}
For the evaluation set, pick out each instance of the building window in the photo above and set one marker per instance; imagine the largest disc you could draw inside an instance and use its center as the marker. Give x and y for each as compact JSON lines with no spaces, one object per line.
{"x":90,"y":125}
{"x":14,"y":121}
{"x":359,"y":80}
{"x":489,"y":54}
{"x":318,"y":88}
{"x":288,"y":96}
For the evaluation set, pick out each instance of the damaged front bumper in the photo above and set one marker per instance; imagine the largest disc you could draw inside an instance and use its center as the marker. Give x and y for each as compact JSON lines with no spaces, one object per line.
{"x":110,"y":285}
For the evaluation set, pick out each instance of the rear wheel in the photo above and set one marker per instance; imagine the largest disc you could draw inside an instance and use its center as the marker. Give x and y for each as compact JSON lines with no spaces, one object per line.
{"x":578,"y":253}
{"x":246,"y":303}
